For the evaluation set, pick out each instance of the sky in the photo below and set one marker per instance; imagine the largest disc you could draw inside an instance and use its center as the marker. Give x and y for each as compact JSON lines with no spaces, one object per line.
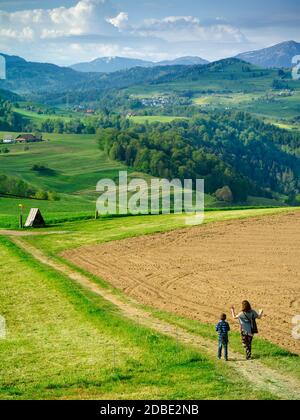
{"x":71,"y":31}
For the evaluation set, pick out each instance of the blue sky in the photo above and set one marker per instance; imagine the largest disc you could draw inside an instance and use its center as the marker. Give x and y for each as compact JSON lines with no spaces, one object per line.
{"x":68,"y":31}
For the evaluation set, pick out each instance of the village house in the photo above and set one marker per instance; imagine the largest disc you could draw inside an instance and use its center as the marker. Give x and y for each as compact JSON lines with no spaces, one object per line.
{"x":28,"y":138}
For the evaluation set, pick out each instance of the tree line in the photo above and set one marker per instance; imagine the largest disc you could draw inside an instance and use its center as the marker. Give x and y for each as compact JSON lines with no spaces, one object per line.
{"x":9,"y":120}
{"x":10,"y":186}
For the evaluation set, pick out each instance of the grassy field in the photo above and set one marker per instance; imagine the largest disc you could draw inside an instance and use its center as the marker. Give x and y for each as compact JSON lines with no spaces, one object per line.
{"x":58,"y":113}
{"x":66,"y":343}
{"x":69,"y":207}
{"x":35,"y":116}
{"x":267,"y":104}
{"x":76,"y":165}
{"x":224,"y":100}
{"x":76,"y":162}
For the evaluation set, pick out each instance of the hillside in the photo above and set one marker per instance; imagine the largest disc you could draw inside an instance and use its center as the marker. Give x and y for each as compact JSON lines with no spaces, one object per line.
{"x":6,"y":95}
{"x":224,"y":76}
{"x":25,"y":77}
{"x":75,"y":165}
{"x":277,"y":56}
{"x":227,"y":69}
{"x":230,"y":75}
{"x":220,"y":149}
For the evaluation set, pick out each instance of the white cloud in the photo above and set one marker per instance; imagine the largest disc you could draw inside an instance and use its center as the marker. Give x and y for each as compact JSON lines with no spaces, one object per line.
{"x":25,"y":33}
{"x":93,"y":28}
{"x":87,"y":16}
{"x":189,"y":28}
{"x":120,"y":21}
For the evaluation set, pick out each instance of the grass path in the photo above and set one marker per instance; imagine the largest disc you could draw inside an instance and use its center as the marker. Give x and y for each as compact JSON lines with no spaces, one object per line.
{"x":260,"y":376}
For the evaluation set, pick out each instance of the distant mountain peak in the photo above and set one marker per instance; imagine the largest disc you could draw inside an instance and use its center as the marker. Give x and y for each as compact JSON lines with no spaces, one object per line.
{"x":291,"y":42}
{"x":184,"y":61}
{"x":277,"y":56}
{"x":115,"y":63}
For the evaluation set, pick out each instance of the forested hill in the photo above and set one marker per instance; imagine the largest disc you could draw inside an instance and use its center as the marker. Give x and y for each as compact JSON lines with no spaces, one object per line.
{"x":26,"y":77}
{"x":6,"y":95}
{"x":227,"y":69}
{"x":221,"y":148}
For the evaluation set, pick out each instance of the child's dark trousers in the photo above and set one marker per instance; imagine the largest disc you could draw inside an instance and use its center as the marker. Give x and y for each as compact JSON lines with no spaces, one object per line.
{"x":223,"y":345}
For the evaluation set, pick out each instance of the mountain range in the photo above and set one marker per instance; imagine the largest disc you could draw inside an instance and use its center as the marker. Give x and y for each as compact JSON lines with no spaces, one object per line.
{"x":112,"y":64}
{"x":277,"y":56}
{"x":44,"y":81}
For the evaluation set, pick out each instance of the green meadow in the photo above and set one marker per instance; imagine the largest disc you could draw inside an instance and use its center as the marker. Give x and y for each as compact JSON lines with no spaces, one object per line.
{"x":268,"y":104}
{"x":76,"y":165}
{"x":35,"y":116}
{"x":59,"y":112}
{"x":75,"y":160}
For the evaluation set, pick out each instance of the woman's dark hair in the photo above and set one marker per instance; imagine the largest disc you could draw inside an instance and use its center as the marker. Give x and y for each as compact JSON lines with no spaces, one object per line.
{"x":246,"y":307}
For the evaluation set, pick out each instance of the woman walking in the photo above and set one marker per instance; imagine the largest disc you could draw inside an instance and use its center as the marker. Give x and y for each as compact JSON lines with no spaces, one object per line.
{"x":247,"y":318}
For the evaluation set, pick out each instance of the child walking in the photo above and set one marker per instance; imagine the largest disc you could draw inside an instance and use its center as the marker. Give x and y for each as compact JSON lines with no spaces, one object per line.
{"x":222,"y":329}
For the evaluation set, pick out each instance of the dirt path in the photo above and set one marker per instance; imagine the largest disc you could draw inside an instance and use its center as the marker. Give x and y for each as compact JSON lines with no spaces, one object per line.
{"x":256,"y":373}
{"x":202,"y":271}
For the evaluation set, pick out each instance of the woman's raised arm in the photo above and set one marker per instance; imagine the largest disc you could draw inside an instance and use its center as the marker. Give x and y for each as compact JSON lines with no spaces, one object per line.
{"x":260,"y":314}
{"x":234,"y":316}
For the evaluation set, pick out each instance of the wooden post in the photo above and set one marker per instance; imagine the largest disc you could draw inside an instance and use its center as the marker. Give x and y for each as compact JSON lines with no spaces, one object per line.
{"x":96,"y":215}
{"x":21,"y":207}
{"x":21,"y":221}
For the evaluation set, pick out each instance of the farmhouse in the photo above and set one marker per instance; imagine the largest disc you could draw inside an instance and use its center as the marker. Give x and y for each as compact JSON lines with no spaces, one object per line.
{"x":28,"y":138}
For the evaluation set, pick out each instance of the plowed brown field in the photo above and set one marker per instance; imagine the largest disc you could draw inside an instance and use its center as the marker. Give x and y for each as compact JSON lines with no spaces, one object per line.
{"x":200,"y":272}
